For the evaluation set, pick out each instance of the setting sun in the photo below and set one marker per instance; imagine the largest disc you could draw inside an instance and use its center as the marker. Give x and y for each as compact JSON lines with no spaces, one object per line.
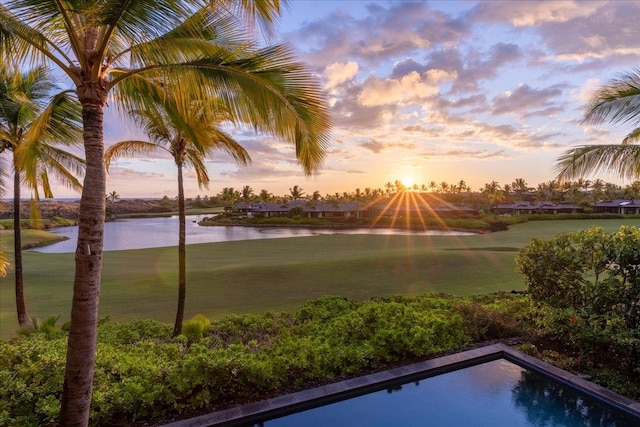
{"x":407,"y":181}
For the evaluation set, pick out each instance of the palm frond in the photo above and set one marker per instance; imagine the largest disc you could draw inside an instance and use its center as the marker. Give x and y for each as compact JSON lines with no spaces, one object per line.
{"x":208,"y":32}
{"x":23,"y":37}
{"x":616,"y":102}
{"x":60,"y":122}
{"x":622,"y":160}
{"x":195,"y":159}
{"x":632,"y":137}
{"x":128,"y":149}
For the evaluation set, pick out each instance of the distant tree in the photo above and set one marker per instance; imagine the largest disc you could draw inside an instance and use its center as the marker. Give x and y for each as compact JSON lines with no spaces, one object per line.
{"x":33,"y":126}
{"x":493,"y":193}
{"x":433,"y":186}
{"x":316,"y":196}
{"x":616,"y":102}
{"x":112,"y":197}
{"x":247,"y":193}
{"x":520,"y":187}
{"x":296,"y":192}
{"x":389,"y":188}
{"x":229,"y":195}
{"x":264,"y":196}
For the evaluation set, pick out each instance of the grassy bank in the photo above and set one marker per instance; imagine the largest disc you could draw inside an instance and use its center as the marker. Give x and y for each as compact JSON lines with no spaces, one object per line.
{"x":282,"y":274}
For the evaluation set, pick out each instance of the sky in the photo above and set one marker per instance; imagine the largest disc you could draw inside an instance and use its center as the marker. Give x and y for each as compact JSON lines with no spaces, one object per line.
{"x":427,"y":91}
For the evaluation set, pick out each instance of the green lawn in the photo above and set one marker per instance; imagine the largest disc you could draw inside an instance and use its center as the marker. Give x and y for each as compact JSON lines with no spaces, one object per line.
{"x":280,"y":274}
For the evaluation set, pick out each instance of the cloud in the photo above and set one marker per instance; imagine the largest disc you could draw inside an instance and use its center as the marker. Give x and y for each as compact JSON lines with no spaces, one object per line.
{"x":524,"y":13}
{"x":524,"y":100}
{"x":458,"y":154}
{"x":382,"y":33}
{"x":585,"y":92}
{"x":122,"y":173}
{"x":373,"y":146}
{"x":411,"y":87}
{"x":338,"y":73}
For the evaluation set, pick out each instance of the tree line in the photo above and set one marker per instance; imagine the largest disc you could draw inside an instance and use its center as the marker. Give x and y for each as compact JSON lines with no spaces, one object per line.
{"x":581,"y":192}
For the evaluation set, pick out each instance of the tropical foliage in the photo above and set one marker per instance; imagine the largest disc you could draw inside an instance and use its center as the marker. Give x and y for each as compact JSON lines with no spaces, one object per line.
{"x":142,"y":373}
{"x":35,"y":124}
{"x":586,"y":286}
{"x":619,"y":103}
{"x":121,"y":49}
{"x":189,"y":133}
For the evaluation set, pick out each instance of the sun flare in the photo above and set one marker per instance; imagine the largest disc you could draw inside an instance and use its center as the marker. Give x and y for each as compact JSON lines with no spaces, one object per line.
{"x":407,"y":181}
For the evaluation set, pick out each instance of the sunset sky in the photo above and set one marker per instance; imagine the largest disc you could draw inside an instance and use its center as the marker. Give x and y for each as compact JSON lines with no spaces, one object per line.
{"x":429,"y":91}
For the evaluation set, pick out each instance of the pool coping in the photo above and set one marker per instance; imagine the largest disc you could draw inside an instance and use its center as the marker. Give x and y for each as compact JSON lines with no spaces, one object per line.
{"x":306,"y":399}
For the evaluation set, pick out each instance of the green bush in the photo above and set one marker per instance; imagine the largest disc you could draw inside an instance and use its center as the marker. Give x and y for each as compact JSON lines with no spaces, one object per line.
{"x":142,"y":373}
{"x":585,"y":286}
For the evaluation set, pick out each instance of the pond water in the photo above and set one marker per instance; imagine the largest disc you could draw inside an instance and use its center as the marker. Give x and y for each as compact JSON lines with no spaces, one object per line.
{"x":141,"y":233}
{"x":492,"y":394}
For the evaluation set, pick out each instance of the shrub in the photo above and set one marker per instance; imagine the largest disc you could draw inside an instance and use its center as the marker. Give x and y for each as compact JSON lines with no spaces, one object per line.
{"x":143,"y":373}
{"x":586,"y":286}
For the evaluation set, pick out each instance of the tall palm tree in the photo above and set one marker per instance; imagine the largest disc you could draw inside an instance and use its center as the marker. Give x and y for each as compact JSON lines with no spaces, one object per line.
{"x":4,"y":176}
{"x":189,"y":134}
{"x":113,"y":47}
{"x":33,"y":125}
{"x":616,"y":102}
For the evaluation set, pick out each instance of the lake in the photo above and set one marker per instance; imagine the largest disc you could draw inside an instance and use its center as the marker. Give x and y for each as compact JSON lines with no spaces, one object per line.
{"x":141,"y":233}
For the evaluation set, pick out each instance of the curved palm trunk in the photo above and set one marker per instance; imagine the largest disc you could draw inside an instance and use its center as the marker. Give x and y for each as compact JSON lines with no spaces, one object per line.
{"x":17,"y":248}
{"x":182,"y":273}
{"x":81,"y":349}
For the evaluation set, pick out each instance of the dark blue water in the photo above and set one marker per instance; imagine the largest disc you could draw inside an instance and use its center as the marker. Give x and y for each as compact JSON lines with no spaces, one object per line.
{"x":492,"y":394}
{"x":140,"y":233}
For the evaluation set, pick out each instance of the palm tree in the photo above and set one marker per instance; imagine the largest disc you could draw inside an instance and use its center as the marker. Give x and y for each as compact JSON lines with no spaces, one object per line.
{"x":389,"y":188}
{"x":189,"y":134}
{"x":264,"y":196}
{"x":520,"y":187}
{"x":616,"y":102}
{"x":113,"y":47}
{"x":113,"y":197}
{"x":32,"y":124}
{"x":296,"y":192}
{"x":4,"y":262}
{"x":493,"y":192}
{"x":247,"y":193}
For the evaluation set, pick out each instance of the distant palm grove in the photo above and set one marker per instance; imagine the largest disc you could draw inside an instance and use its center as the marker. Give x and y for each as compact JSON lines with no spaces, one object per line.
{"x":582,"y":193}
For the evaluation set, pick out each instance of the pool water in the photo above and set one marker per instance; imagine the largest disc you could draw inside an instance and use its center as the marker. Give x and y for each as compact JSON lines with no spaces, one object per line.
{"x":492,"y":394}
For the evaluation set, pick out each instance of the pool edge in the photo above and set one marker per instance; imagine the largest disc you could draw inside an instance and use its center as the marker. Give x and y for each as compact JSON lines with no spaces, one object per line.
{"x":305,"y":399}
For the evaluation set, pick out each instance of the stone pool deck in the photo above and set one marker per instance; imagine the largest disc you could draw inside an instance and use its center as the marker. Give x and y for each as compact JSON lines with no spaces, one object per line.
{"x":306,"y":399}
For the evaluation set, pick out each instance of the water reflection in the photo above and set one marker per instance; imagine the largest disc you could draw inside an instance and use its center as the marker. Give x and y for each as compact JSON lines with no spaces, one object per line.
{"x":141,"y":233}
{"x":549,"y":403}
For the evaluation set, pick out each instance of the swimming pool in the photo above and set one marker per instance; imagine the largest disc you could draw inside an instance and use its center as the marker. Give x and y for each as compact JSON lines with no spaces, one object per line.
{"x":490,"y":386}
{"x":496,"y":393}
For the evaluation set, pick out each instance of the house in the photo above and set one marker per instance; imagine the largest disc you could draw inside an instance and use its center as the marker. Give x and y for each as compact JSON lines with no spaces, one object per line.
{"x":618,"y":206}
{"x":302,"y":208}
{"x":525,"y":207}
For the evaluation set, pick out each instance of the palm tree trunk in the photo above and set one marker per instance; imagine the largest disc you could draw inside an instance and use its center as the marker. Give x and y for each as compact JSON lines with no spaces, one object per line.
{"x":17,"y":248}
{"x":81,"y":348}
{"x":182,"y":274}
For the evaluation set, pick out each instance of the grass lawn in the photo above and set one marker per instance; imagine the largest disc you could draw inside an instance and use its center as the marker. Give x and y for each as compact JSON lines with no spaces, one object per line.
{"x":280,"y":274}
